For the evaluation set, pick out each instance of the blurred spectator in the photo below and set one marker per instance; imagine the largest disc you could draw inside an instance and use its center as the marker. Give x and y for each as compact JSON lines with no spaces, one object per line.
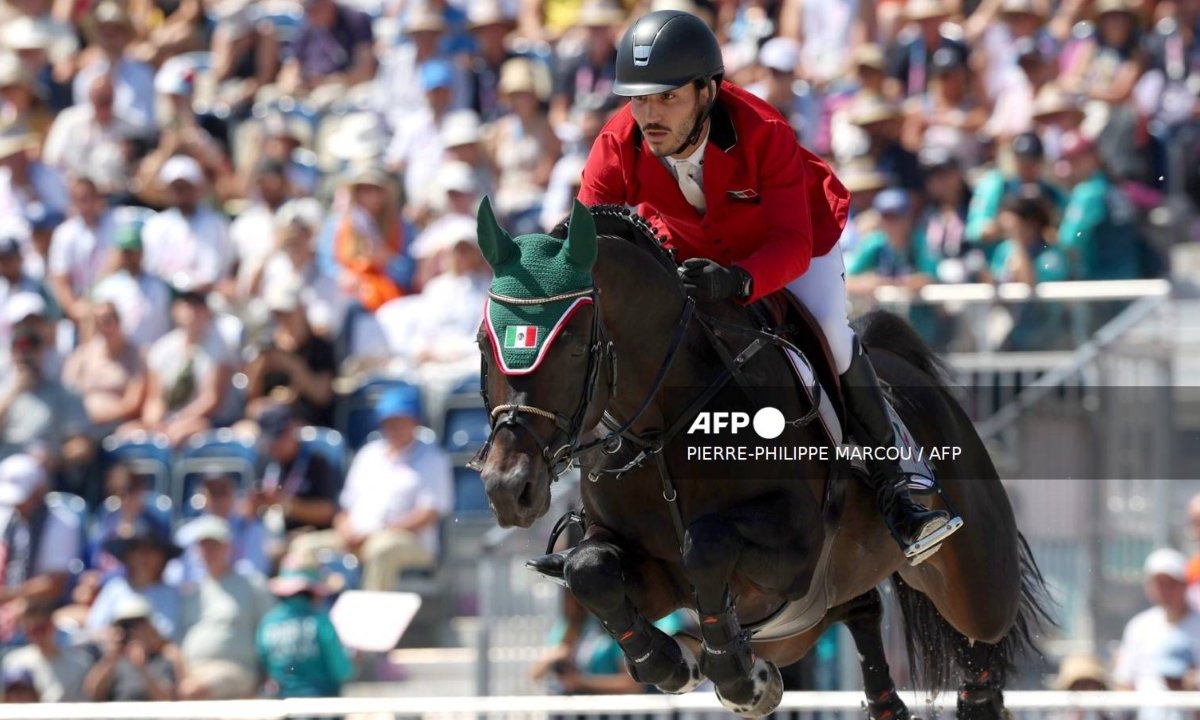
{"x":107,"y":372}
{"x":19,"y":101}
{"x":297,"y":482}
{"x":37,"y":410}
{"x":333,"y":48}
{"x":1148,"y":635}
{"x":910,"y":60}
{"x":1056,"y":113}
{"x":1081,"y":673}
{"x":250,"y":545}
{"x":138,"y":296}
{"x":294,"y":261}
{"x":297,"y":643}
{"x":950,"y":116}
{"x":188,"y":243}
{"x":28,"y":313}
{"x":143,"y":547}
{"x":284,"y":140}
{"x":28,"y":181}
{"x":41,"y":541}
{"x":397,"y":491}
{"x":42,"y":222}
{"x":523,"y":147}
{"x":167,"y":29}
{"x":779,"y":57}
{"x":943,"y":222}
{"x":490,"y":25}
{"x":19,"y":687}
{"x":564,"y":186}
{"x":402,"y":86}
{"x":415,"y":151}
{"x":127,"y":498}
{"x":245,"y":56}
{"x":1106,"y":66}
{"x":588,"y":76}
{"x":221,"y":617}
{"x":110,"y":33}
{"x":1098,"y":231}
{"x":894,"y":254}
{"x":14,"y":280}
{"x":882,"y":121}
{"x":253,"y":232}
{"x":80,"y":249}
{"x":56,"y":668}
{"x":1029,"y":156}
{"x":1013,"y":109}
{"x":190,"y":370}
{"x":293,"y":364}
{"x":370,"y":242}
{"x":1025,"y":255}
{"x":463,"y":142}
{"x":137,"y":663}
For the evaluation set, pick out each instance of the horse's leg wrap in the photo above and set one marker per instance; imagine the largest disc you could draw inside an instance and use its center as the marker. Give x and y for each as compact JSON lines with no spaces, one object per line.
{"x":863,"y":616}
{"x":982,"y":696}
{"x":655,"y":658}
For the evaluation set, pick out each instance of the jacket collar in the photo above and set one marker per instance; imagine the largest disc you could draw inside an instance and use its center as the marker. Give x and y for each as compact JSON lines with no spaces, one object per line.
{"x":721,"y":132}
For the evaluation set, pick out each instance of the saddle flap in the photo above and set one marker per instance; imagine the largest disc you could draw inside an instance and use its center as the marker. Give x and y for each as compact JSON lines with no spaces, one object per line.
{"x":788,"y":316}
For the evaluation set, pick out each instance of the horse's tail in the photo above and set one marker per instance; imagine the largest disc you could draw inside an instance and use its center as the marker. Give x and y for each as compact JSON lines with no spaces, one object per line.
{"x":888,"y":331}
{"x":931,"y":641}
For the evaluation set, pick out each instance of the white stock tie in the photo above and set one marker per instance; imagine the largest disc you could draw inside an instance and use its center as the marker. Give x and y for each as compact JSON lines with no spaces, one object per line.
{"x":689,"y":175}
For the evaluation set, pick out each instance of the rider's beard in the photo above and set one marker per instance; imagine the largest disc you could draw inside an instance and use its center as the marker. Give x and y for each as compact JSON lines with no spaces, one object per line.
{"x":678,"y":136}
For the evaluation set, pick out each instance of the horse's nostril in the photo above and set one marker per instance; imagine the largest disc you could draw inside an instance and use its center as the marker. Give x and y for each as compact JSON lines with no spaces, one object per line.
{"x":525,"y":499}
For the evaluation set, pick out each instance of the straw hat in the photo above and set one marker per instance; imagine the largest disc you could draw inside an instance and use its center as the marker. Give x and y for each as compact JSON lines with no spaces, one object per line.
{"x":13,"y":72}
{"x":1052,"y":100}
{"x":1030,"y":8}
{"x":868,"y":55}
{"x":367,"y":173}
{"x":925,"y":10}
{"x":483,"y":13}
{"x":424,"y":20}
{"x":870,"y":110}
{"x":26,"y":33}
{"x":15,"y":139}
{"x":860,"y":175}
{"x":107,"y":12}
{"x":1107,"y":7}
{"x":597,"y":13}
{"x":1075,"y":668}
{"x":521,"y":75}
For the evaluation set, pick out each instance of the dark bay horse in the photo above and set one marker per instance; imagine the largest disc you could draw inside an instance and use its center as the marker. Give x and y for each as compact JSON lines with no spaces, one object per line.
{"x":741,"y":540}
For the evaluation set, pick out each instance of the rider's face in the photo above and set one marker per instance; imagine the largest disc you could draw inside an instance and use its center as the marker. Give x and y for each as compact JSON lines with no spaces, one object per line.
{"x":667,"y":118}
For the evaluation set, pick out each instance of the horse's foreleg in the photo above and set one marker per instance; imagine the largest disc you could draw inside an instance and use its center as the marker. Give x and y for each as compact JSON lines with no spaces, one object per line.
{"x":595,"y":574}
{"x":863,"y":616}
{"x":747,"y":685}
{"x":981,"y":692}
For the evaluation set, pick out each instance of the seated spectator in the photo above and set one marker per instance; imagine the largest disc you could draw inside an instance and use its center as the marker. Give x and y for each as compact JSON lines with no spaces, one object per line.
{"x":1081,"y":673}
{"x":589,"y":75}
{"x":37,"y":410}
{"x":245,"y":57}
{"x":57,"y":668}
{"x":42,"y":541}
{"x":950,"y":116}
{"x":1025,"y":255}
{"x":1099,"y":232}
{"x":90,"y":139}
{"x":167,"y":30}
{"x":396,"y":493}
{"x":131,"y":494}
{"x":916,"y":45}
{"x":523,"y":146}
{"x":110,"y":33}
{"x":401,"y":85}
{"x":107,"y":372}
{"x":143,"y":547}
{"x":779,"y":58}
{"x":462,"y":139}
{"x":137,"y":295}
{"x":19,"y":97}
{"x":27,"y":181}
{"x":415,"y":151}
{"x":943,"y":223}
{"x":13,"y":278}
{"x":370,"y":244}
{"x":1028,"y":154}
{"x":188,"y":243}
{"x":253,"y":232}
{"x":894,"y":254}
{"x":80,"y":249}
{"x":335,"y":47}
{"x":283,"y":140}
{"x":1106,"y":66}
{"x":297,"y":643}
{"x":136,"y":662}
{"x":489,"y":24}
{"x":189,"y":374}
{"x":1149,"y":634}
{"x":293,"y":365}
{"x":298,"y":483}
{"x":221,"y":614}
{"x":882,"y":123}
{"x":42,"y":222}
{"x":295,"y":261}
{"x":19,"y":687}
{"x":251,"y":550}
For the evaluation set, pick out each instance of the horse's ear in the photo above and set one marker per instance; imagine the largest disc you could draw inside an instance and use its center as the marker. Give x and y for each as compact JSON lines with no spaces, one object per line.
{"x":495,"y":244}
{"x":581,"y":246}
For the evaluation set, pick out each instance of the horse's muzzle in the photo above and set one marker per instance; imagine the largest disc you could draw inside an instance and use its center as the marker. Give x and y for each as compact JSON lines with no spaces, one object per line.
{"x":518,"y":487}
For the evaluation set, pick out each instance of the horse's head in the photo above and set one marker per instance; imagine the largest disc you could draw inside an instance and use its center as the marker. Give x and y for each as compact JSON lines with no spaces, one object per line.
{"x":544,"y":355}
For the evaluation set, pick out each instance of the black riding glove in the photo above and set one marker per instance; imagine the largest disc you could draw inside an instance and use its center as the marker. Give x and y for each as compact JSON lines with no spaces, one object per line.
{"x":707,"y":281}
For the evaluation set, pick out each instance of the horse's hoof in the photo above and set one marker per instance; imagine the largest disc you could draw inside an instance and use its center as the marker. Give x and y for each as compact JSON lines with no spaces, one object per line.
{"x":766,"y":695}
{"x":890,"y":707}
{"x":689,"y":675}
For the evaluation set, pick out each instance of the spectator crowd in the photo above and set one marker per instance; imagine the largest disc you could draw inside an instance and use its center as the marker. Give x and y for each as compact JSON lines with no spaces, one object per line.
{"x":220,"y":217}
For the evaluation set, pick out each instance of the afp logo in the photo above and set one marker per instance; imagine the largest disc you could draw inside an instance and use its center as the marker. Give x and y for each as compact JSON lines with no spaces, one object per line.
{"x":768,"y":423}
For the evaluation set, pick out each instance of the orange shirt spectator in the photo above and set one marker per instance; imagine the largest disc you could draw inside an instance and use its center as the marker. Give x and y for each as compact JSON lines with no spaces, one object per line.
{"x":369,"y":239}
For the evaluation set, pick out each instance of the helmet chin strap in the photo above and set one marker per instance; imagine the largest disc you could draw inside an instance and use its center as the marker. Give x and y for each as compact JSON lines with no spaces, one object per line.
{"x":698,"y":126}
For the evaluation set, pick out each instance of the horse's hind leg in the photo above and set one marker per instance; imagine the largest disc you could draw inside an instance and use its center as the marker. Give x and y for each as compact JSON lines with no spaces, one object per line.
{"x":981,"y":692}
{"x":595,"y":573}
{"x":863,"y":616}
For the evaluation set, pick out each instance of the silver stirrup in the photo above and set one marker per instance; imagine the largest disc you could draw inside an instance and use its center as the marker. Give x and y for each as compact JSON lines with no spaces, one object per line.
{"x":931,"y":540}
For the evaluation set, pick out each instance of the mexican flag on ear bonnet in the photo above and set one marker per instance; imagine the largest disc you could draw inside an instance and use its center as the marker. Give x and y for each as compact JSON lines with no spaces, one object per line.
{"x":539,"y":282}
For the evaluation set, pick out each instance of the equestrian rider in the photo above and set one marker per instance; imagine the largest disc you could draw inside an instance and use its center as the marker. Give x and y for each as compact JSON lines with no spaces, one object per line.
{"x":749,"y":211}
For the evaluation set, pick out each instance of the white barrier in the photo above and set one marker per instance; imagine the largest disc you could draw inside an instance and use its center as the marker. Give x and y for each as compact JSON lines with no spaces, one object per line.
{"x":528,"y":707}
{"x":986,"y":292}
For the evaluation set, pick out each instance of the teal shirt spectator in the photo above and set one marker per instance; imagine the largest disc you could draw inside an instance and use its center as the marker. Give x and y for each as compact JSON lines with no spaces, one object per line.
{"x":989,"y":194}
{"x":300,"y":650}
{"x":875,"y":254}
{"x":1098,"y":232}
{"x":1049,"y":263}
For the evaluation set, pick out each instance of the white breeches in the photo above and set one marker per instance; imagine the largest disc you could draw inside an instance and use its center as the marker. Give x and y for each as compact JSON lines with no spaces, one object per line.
{"x":823,"y":291}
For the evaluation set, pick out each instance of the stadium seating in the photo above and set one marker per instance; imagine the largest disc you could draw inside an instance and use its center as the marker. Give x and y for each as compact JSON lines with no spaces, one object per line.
{"x":329,"y":444}
{"x":148,"y":456}
{"x":356,"y":411}
{"x":215,"y":451}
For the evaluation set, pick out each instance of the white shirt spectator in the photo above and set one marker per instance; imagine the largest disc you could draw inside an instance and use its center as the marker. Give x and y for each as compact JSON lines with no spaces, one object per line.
{"x":141,"y":304}
{"x":197,"y":247}
{"x":1144,"y":638}
{"x":566,"y":176}
{"x":133,"y":91}
{"x":80,"y":252}
{"x":57,"y":679}
{"x":324,"y":302}
{"x":48,"y":189}
{"x":417,"y":145}
{"x":60,"y":543}
{"x":253,"y":238}
{"x":78,"y":144}
{"x":168,"y":359}
{"x":384,"y":485}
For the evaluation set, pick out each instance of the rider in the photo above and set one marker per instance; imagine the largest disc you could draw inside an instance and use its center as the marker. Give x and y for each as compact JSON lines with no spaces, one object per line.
{"x":749,"y":211}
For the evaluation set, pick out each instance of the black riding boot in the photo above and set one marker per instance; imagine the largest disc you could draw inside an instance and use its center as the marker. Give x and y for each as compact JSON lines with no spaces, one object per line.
{"x":918,"y":530}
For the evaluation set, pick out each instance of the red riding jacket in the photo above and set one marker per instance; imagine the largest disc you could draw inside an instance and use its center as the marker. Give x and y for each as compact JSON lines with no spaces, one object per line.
{"x":772,"y":205}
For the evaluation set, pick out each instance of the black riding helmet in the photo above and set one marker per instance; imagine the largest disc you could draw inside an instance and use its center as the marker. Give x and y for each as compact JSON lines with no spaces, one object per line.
{"x":667,"y":49}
